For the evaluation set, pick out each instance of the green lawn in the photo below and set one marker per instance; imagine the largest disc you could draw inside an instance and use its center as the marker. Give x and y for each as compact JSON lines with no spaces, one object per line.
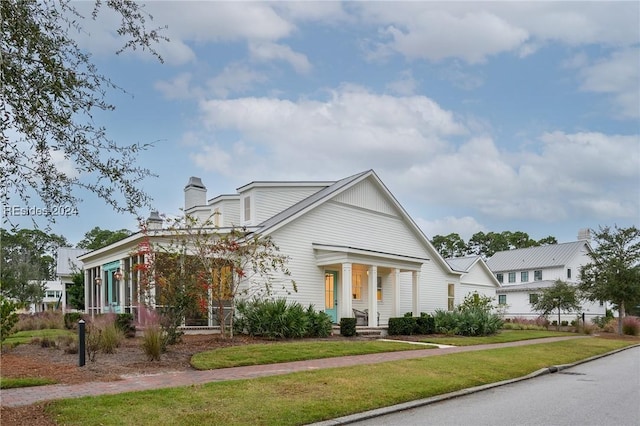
{"x":9,"y":382}
{"x":23,"y":337}
{"x":306,"y":397}
{"x":236,"y":356}
{"x":503,"y":336}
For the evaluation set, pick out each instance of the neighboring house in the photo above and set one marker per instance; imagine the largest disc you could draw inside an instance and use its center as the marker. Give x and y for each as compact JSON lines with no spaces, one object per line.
{"x":52,"y":297}
{"x":55,"y":296}
{"x":351,"y":246}
{"x":523,"y":273}
{"x":476,"y":278}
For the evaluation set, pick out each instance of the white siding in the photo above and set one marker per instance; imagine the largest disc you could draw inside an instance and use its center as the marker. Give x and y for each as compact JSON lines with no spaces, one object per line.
{"x":339,"y":224}
{"x":366,"y":196}
{"x":518,"y":306}
{"x":271,"y":201}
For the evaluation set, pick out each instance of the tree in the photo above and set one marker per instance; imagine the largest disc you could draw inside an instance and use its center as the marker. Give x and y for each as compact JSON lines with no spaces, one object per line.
{"x":28,"y":257}
{"x":75,"y":291}
{"x":451,"y":245}
{"x":613,"y":273}
{"x":547,"y":241}
{"x":98,"y":238}
{"x":51,"y":92}
{"x":205,"y":269}
{"x":561,"y":296}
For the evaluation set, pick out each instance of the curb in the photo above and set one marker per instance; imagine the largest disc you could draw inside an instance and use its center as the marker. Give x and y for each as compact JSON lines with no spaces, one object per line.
{"x":352,"y":418}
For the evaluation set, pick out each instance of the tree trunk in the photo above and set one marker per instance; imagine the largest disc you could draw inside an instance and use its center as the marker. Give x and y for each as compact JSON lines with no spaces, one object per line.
{"x":621,"y":314}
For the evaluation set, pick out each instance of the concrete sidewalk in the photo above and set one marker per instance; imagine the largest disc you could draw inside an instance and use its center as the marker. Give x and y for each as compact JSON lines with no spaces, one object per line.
{"x":27,"y":396}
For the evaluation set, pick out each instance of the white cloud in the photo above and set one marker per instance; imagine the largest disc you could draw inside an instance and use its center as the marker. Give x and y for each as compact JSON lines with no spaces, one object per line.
{"x":63,"y":164}
{"x":405,"y":85}
{"x":178,"y":88}
{"x":234,"y":78}
{"x":267,"y":51}
{"x":618,"y":75}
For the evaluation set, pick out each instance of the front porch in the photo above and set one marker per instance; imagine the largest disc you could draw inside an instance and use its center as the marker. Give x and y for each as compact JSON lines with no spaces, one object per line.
{"x":359,"y":280}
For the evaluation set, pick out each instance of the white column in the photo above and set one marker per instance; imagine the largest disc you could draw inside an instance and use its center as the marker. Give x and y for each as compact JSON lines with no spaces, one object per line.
{"x":415,"y":286}
{"x":345,"y":307}
{"x":88,"y":302}
{"x":395,"y":293}
{"x":373,"y":296}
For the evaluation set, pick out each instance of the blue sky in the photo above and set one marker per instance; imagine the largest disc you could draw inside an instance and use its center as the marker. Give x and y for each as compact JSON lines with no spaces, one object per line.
{"x":478,"y":116}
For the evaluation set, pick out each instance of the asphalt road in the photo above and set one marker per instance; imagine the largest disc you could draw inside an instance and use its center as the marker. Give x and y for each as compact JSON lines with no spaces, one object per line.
{"x":602,"y":392}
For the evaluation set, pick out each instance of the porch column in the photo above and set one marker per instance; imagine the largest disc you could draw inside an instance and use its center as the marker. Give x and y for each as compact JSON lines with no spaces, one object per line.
{"x":373,"y":296}
{"x":88,"y":302}
{"x":415,"y":287}
{"x":345,"y":307}
{"x":395,"y":292}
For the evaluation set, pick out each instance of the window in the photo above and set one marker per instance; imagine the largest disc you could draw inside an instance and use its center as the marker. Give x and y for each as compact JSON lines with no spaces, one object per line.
{"x":533,"y":298}
{"x":247,"y":209}
{"x":524,"y":276}
{"x":537,"y":275}
{"x":379,"y":289}
{"x":568,"y":272}
{"x":451,"y":297}
{"x":356,"y":286}
{"x":502,"y":299}
{"x":512,"y":277}
{"x":500,"y":278}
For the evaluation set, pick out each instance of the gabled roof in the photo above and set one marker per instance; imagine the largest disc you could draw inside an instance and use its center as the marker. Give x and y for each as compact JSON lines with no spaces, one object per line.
{"x":462,"y":264}
{"x":68,"y":262}
{"x":553,"y":255}
{"x":327,"y":193}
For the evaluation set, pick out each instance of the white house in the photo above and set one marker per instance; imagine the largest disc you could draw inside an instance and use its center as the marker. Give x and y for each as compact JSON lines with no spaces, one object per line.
{"x":523,"y":273}
{"x":476,"y":278}
{"x":350,"y":244}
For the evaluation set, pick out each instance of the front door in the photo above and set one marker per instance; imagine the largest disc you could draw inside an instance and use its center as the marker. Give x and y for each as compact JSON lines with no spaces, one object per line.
{"x":330,"y":295}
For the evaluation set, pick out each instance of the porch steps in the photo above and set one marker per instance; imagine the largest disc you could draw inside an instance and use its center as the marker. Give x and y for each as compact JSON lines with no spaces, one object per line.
{"x":363,"y":331}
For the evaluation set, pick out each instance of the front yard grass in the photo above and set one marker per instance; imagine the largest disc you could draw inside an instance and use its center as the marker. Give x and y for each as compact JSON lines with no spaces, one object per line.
{"x":23,"y":337}
{"x":503,"y":336}
{"x":237,"y":356}
{"x":306,"y":397}
{"x":10,"y":382}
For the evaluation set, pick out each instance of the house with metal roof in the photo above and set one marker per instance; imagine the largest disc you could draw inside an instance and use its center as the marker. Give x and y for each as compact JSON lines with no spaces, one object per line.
{"x":524,"y":273}
{"x":351,"y":247}
{"x":476,"y":278}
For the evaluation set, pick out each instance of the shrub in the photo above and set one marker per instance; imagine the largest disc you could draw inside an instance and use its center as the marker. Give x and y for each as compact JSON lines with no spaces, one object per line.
{"x":153,"y":342}
{"x":69,"y":344}
{"x":446,"y":322}
{"x":40,"y":321}
{"x":589,"y":329}
{"x":402,"y":326}
{"x":8,"y":317}
{"x":347,"y":327}
{"x":92,"y":342}
{"x":272,"y":318}
{"x":110,"y":339}
{"x":564,"y":323}
{"x":631,"y":326}
{"x":125,"y":323}
{"x":318,"y":323}
{"x":478,"y":322}
{"x":71,"y":320}
{"x":425,"y":324}
{"x":611,"y":326}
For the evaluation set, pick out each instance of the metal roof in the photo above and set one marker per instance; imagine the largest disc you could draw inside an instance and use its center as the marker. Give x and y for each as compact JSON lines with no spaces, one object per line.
{"x":549,"y":256}
{"x":68,"y":260}
{"x":530,"y":286}
{"x":462,"y":264}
